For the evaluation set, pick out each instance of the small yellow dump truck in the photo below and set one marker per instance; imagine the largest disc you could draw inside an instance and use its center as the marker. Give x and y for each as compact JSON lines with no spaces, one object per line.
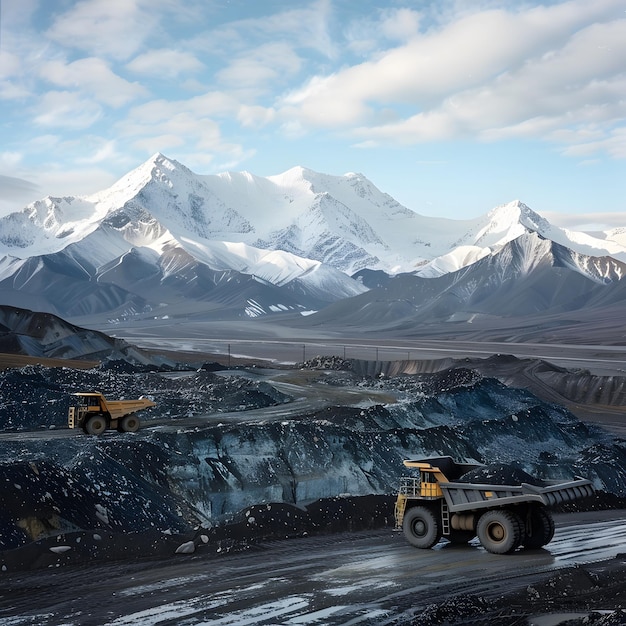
{"x":503,"y":517}
{"x":95,"y":414}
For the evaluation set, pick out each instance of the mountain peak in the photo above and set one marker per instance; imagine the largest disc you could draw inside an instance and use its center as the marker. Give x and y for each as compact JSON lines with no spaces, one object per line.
{"x":342,"y":220}
{"x":158,"y":164}
{"x":512,"y":214}
{"x":159,"y":159}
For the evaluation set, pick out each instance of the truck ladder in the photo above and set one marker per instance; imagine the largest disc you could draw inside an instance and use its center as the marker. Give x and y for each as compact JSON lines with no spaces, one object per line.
{"x":445,"y":519}
{"x":400,"y":508}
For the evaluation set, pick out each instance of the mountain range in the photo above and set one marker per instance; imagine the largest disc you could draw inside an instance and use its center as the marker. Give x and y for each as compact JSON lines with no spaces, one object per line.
{"x":165,"y":242}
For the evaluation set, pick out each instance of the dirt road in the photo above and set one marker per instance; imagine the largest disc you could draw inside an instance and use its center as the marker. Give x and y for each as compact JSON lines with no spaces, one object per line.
{"x":350,"y":578}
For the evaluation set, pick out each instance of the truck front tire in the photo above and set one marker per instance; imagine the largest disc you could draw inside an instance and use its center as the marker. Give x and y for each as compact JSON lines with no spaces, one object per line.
{"x":96,"y":425}
{"x":421,"y":527}
{"x":500,"y":531}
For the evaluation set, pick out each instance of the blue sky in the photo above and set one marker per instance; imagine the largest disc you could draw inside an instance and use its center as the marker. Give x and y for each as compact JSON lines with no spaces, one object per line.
{"x":452,"y":107}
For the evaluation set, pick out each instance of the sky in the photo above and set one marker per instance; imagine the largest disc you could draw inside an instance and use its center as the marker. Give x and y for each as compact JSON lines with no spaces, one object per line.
{"x":453,"y":107}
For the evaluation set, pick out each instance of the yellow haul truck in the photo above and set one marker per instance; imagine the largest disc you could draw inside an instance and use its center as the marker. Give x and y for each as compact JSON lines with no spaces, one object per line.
{"x":503,"y":517}
{"x":95,"y":414}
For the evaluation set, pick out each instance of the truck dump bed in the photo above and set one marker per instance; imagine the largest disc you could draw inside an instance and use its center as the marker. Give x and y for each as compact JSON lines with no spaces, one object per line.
{"x":119,"y":408}
{"x":471,"y":496}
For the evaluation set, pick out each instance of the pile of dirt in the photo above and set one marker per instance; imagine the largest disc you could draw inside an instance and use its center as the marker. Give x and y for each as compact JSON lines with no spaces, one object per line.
{"x":597,"y":590}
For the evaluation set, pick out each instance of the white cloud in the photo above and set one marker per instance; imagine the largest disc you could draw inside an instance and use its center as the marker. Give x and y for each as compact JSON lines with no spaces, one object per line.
{"x":159,"y":125}
{"x":92,"y":76}
{"x":306,"y":27}
{"x":11,"y":91}
{"x":326,"y":101}
{"x":13,"y":187}
{"x":75,"y":181}
{"x":66,"y":110}
{"x":614,"y":144}
{"x":212,"y":103}
{"x":106,"y":152}
{"x":165,"y":63}
{"x":586,"y":222}
{"x":400,"y":24}
{"x":261,"y":67}
{"x":17,"y":189}
{"x":10,"y":65}
{"x":369,"y":33}
{"x":159,"y":143}
{"x":105,"y":28}
{"x":255,"y":116}
{"x":488,"y":75}
{"x":53,"y":178}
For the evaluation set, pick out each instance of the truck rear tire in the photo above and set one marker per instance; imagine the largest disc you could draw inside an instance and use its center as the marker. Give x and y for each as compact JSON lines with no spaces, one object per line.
{"x":421,"y":527}
{"x":500,"y":531}
{"x":129,"y":424}
{"x":96,"y":425}
{"x":541,"y":528}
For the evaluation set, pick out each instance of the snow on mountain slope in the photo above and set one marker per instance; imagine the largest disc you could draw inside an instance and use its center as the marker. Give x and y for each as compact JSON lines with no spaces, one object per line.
{"x":615,"y":235}
{"x":528,"y":276}
{"x":342,"y":221}
{"x":488,"y":234}
{"x":143,"y":210}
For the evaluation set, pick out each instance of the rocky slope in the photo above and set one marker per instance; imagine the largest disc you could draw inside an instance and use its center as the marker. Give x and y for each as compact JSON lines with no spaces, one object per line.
{"x":24,"y":332}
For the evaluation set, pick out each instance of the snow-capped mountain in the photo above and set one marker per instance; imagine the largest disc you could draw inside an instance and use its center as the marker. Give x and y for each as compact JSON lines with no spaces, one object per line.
{"x":235,"y":243}
{"x":488,"y":234}
{"x":150,"y":241}
{"x":342,"y":221}
{"x":529,"y":276}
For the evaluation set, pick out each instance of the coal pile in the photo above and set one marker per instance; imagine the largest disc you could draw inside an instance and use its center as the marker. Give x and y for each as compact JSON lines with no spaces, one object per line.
{"x":500,"y":474}
{"x":313,"y":468}
{"x":575,"y":591}
{"x":95,"y":490}
{"x":36,"y":546}
{"x":39,"y":397}
{"x":454,"y":610}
